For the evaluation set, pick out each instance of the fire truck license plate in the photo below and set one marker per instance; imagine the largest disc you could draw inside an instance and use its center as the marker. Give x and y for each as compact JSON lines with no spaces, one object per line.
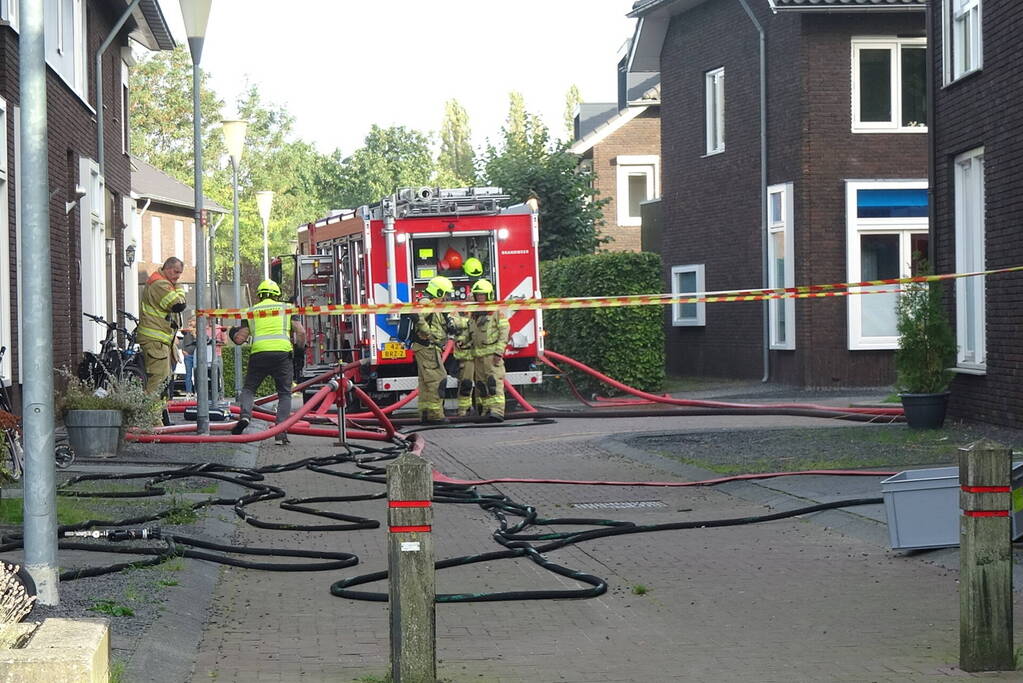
{"x":393,"y":350}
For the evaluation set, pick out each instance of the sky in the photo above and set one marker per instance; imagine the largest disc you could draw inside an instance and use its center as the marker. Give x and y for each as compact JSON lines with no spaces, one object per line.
{"x":339,"y":66}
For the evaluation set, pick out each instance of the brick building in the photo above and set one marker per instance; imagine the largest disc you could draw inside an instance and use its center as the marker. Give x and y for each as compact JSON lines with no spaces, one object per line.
{"x":977,"y":69}
{"x":620,"y":145}
{"x":840,"y":194}
{"x":88,"y":204}
{"x":163,"y":225}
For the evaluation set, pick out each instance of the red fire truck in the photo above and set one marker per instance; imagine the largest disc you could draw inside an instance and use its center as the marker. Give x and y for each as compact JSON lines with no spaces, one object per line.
{"x":389,"y":251}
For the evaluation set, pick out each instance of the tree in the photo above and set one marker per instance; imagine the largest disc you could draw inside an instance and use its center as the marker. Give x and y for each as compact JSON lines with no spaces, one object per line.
{"x":527,"y":163}
{"x":160,"y":112}
{"x":389,"y":159}
{"x":456,"y":161}
{"x":572,"y":100}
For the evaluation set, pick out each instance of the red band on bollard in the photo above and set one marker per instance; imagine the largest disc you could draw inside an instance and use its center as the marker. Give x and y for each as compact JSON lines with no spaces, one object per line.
{"x":403,"y":529}
{"x":986,"y":489}
{"x":986,"y":513}
{"x":408,"y":503}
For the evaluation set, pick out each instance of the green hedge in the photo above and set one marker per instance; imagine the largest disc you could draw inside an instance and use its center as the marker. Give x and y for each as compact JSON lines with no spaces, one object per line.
{"x":267,"y":386}
{"x":626,"y":343}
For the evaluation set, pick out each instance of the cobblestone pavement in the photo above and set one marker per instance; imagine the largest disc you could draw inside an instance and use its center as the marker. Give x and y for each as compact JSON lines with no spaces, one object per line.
{"x":783,"y":601}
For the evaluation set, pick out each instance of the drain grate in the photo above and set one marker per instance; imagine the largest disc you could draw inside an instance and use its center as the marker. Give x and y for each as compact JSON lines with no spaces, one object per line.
{"x":620,"y":505}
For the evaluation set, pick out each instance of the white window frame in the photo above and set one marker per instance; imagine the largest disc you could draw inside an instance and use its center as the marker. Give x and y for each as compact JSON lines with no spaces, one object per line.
{"x":93,"y":251}
{"x":9,"y":12}
{"x":857,"y":227}
{"x":125,"y":130}
{"x":629,"y":165}
{"x":80,"y":48}
{"x":191,"y":241}
{"x":60,"y":27}
{"x":893,"y":45}
{"x":179,"y":239}
{"x":155,"y":240}
{"x":971,"y":302}
{"x":677,"y":319}
{"x":961,"y":20}
{"x":6,"y":322}
{"x":714,"y":97}
{"x":782,"y":224}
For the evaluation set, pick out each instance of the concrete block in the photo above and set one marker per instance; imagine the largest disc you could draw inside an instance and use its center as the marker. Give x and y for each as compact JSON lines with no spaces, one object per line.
{"x":60,"y":651}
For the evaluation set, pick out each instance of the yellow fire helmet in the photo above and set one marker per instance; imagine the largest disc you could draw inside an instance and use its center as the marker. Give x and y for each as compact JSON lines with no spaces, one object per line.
{"x":484,"y":286}
{"x":473,"y":267}
{"x":439,"y":287}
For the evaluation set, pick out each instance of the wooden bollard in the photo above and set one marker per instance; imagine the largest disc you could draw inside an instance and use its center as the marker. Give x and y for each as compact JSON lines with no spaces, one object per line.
{"x":411,"y":570}
{"x":985,"y":558}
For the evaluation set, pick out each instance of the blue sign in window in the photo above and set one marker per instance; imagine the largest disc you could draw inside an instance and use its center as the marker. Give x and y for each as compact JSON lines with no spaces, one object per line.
{"x":891,"y":203}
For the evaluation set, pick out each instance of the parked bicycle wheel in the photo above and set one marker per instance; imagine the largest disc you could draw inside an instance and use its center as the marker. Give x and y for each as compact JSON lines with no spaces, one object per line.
{"x":14,"y":455}
{"x":63,"y":455}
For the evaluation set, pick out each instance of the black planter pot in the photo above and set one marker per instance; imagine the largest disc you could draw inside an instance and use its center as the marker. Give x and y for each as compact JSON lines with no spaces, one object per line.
{"x":925,"y":411}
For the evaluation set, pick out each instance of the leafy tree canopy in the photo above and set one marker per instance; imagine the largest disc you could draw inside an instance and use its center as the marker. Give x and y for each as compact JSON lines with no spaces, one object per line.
{"x":456,"y":164}
{"x":529,"y":163}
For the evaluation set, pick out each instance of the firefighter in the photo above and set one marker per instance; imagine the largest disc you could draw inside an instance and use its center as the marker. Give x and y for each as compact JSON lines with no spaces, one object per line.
{"x":489,"y":333}
{"x":272,"y":351}
{"x":428,"y":340}
{"x":459,"y":329}
{"x":162,"y":304}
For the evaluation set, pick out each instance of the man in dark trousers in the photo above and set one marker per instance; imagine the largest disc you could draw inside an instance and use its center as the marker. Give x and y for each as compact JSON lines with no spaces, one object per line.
{"x":271,"y":355}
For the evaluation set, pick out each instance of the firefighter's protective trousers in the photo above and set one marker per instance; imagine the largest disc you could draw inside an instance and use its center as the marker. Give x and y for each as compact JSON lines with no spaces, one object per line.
{"x":155,"y":332}
{"x":466,"y":362}
{"x":271,"y":356}
{"x":489,"y":332}
{"x":429,"y":339}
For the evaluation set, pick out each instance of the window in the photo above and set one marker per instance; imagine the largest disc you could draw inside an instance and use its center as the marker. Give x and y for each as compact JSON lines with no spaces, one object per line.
{"x":93,"y":250}
{"x":155,"y":237}
{"x":889,"y":88}
{"x":9,"y":13}
{"x":886,"y":224}
{"x":80,"y":49}
{"x":715,"y":95}
{"x":125,"y":131}
{"x":637,"y":182}
{"x":179,"y":240}
{"x":688,"y":280}
{"x":66,"y":49}
{"x":963,"y":41}
{"x":191,"y":242}
{"x":781,"y":272}
{"x":969,"y":217}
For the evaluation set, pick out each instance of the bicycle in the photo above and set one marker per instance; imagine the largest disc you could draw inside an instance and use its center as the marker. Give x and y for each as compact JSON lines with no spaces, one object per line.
{"x":13,"y":461}
{"x":112,"y":361}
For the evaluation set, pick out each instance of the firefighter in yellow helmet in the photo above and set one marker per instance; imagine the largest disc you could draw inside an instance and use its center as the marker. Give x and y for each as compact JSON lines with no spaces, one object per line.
{"x":428,"y":340}
{"x":489,"y":333}
{"x":272,"y":351}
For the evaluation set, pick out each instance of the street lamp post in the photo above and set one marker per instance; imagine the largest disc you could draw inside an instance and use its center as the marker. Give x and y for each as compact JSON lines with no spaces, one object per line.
{"x":265,"y":201}
{"x":234,"y":138}
{"x":196,"y":14}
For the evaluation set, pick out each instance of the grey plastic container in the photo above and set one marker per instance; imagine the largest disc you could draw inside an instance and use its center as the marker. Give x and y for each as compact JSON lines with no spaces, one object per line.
{"x":922,"y":507}
{"x":94,"y":433}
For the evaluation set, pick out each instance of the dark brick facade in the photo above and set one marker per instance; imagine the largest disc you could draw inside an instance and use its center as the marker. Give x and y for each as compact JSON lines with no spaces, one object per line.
{"x":983,"y":109}
{"x":71,"y":130}
{"x":711,"y":204}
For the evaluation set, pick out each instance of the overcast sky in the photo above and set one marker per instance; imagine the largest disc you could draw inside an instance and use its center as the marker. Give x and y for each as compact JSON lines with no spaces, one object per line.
{"x":339,"y":66}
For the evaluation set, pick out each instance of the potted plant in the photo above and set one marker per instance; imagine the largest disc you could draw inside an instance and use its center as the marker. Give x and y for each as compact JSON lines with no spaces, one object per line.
{"x":927,"y":349}
{"x":96,"y":419}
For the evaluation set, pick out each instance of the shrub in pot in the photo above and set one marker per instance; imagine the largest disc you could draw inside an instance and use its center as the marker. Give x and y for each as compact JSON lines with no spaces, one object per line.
{"x":927,"y":349}
{"x":96,"y":419}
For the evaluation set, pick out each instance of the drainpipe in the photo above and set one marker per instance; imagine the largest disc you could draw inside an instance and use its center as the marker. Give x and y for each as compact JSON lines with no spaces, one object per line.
{"x":388,"y":207}
{"x":100,"y":156}
{"x":763,"y":186}
{"x":931,"y":138}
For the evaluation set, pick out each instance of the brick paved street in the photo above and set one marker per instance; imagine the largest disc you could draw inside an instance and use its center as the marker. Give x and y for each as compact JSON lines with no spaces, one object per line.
{"x":782,"y":601}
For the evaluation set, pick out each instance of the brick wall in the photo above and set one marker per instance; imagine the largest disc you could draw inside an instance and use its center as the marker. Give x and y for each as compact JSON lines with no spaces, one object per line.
{"x":712,"y":204}
{"x":983,"y":109}
{"x":639,"y":137}
{"x":71,"y":136}
{"x":167,"y":216}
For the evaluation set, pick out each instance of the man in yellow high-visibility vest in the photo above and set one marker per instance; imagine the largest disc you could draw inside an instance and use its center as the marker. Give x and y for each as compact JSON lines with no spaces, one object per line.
{"x":162,"y":303}
{"x":272,"y":351}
